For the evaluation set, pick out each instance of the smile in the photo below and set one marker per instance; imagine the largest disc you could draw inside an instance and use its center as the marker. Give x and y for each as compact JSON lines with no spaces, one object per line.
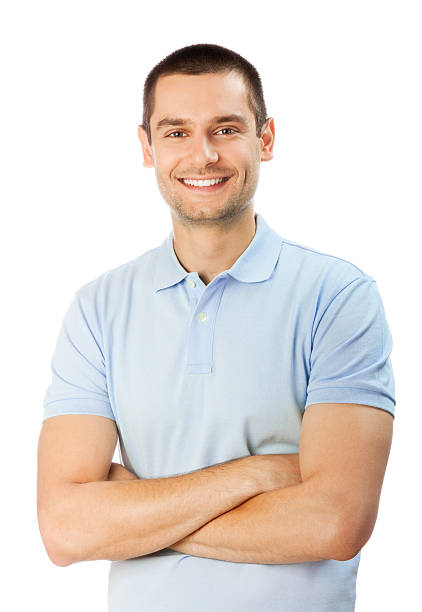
{"x":213,"y":184}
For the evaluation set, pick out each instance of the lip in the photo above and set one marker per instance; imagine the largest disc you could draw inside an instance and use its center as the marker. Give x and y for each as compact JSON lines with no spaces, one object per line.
{"x":216,"y":187}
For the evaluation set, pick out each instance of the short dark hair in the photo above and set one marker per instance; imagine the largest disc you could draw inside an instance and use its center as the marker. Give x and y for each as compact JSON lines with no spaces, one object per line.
{"x":202,"y":59}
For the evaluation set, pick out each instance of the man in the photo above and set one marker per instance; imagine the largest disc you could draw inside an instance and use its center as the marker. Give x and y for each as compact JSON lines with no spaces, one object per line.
{"x":247,"y":377}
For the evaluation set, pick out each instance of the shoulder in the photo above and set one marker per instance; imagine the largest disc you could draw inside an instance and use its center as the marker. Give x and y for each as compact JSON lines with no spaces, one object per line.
{"x":315,"y":278}
{"x":318,"y":268}
{"x":320,"y":260}
{"x":112,"y":285}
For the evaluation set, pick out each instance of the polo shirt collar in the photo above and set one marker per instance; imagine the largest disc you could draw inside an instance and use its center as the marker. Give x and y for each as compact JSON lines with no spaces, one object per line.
{"x":255,"y":264}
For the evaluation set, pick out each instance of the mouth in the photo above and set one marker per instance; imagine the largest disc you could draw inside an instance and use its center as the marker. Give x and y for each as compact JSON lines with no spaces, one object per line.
{"x":206,"y":185}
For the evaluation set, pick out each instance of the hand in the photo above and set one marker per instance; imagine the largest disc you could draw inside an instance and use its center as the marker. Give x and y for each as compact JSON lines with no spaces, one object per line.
{"x":275,"y":471}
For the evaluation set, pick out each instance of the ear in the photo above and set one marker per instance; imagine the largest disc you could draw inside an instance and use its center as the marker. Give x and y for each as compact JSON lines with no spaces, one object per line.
{"x":267,"y":140}
{"x":146,"y":149}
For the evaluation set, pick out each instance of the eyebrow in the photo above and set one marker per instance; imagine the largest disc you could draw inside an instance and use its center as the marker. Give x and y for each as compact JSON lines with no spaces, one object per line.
{"x":174,"y":121}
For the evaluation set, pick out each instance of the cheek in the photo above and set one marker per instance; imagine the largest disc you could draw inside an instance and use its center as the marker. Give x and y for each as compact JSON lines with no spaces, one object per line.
{"x":241,"y":156}
{"x":167,"y":160}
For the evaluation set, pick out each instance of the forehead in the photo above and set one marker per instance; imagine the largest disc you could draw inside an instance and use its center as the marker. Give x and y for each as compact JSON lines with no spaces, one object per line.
{"x":197,"y":97}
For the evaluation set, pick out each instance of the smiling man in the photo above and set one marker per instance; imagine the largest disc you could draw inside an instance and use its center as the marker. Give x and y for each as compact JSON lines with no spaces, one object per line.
{"x":247,"y":377}
{"x":201,"y":138}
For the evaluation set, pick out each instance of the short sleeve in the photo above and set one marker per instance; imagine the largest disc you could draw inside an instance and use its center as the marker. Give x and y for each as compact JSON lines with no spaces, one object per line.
{"x":350,"y":356}
{"x":78,"y":384}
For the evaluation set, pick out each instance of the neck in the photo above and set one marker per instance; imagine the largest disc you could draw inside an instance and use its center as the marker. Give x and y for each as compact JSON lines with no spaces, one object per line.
{"x":209,"y":250}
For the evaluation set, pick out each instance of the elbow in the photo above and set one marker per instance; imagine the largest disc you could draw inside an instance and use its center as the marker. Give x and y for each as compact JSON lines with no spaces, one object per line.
{"x":59,"y":554}
{"x":54,"y":552}
{"x":58,"y":560}
{"x":57,"y":539}
{"x":350,"y":538}
{"x":62,"y":551}
{"x":343,"y":552}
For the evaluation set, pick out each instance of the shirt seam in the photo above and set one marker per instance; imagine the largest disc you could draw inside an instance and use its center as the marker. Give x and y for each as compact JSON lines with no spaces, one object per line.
{"x":371,"y":280}
{"x":357,"y":389}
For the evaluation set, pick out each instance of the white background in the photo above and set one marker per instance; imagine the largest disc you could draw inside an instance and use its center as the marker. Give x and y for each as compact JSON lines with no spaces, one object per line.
{"x":343,"y":82}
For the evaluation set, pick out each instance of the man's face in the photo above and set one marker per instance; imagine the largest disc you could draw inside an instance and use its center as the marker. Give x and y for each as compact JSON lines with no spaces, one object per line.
{"x":203,"y":129}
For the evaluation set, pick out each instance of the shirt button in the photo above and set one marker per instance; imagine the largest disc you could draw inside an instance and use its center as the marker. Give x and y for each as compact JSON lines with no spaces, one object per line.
{"x":202,"y":316}
{"x":191,"y":282}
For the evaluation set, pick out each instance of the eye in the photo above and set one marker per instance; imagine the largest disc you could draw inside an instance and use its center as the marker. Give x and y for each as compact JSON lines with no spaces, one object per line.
{"x":176,"y":132}
{"x":231,"y":130}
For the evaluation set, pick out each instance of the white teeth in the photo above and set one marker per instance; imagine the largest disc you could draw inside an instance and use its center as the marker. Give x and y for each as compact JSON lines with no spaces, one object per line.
{"x":206,"y":183}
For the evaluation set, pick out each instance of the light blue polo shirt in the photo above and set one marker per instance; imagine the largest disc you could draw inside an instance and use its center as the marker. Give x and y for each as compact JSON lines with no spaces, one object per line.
{"x":197,"y":374}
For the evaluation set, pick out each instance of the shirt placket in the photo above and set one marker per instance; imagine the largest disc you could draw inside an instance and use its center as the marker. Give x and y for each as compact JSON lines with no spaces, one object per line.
{"x":205,"y":303}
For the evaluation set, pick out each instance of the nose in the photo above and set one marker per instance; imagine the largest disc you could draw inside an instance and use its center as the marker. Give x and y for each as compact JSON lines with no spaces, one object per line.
{"x":203,"y":151}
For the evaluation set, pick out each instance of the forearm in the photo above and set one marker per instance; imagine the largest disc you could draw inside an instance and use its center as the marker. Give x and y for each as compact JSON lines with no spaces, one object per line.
{"x":117,"y":520}
{"x":290,"y":525}
{"x":251,"y":532}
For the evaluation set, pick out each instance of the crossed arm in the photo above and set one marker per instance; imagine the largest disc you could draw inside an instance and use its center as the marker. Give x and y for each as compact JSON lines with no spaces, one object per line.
{"x":251,"y":533}
{"x":329,"y":513}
